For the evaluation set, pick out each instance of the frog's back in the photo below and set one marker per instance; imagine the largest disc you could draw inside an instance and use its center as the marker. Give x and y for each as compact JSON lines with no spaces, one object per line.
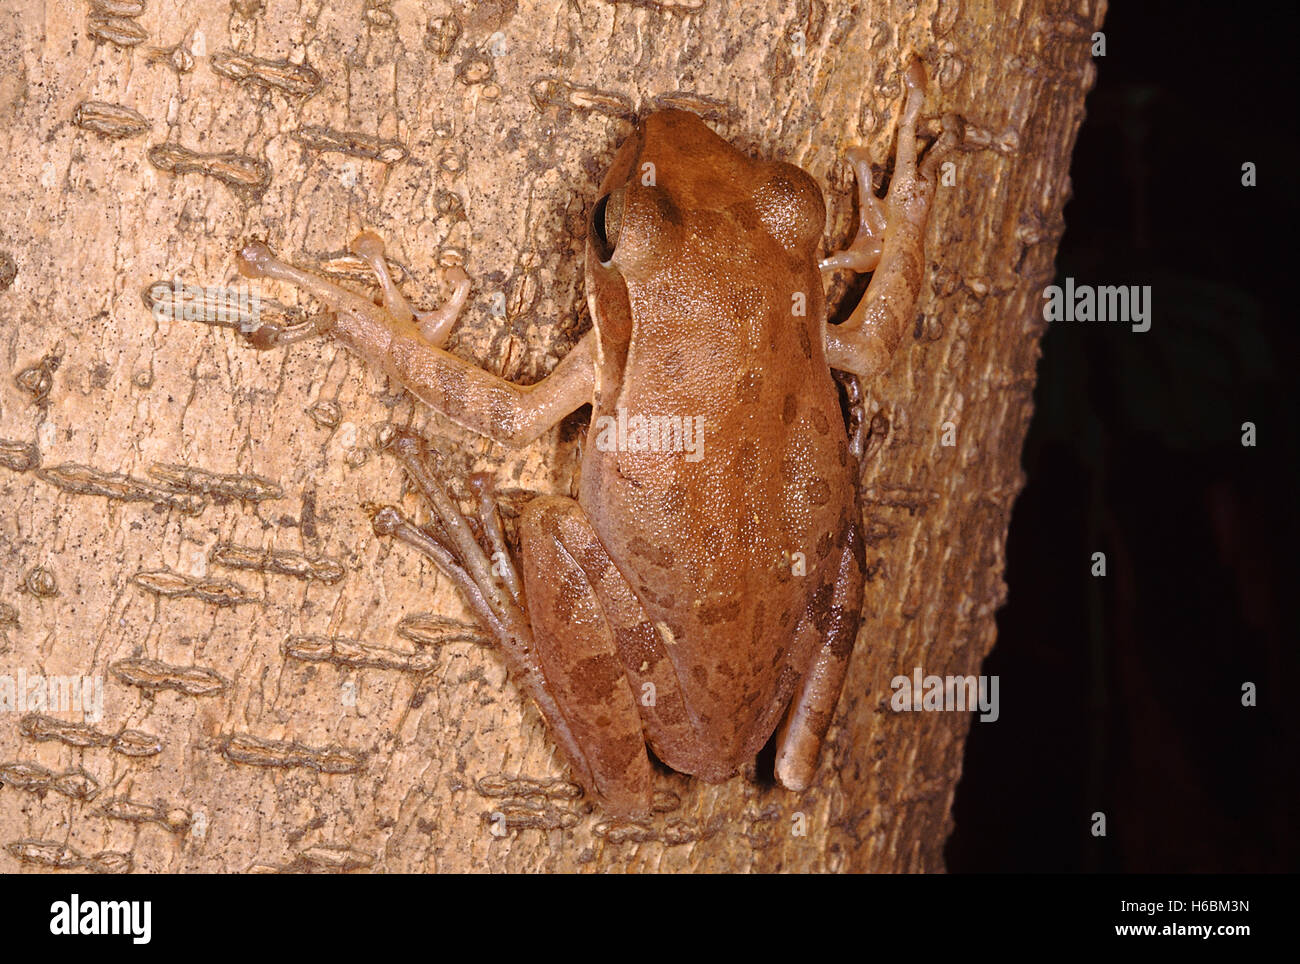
{"x":728,"y":541}
{"x":717,"y":471}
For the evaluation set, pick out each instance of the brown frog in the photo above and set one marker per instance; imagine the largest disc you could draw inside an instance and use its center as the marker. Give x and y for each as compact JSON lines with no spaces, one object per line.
{"x":706,"y":585}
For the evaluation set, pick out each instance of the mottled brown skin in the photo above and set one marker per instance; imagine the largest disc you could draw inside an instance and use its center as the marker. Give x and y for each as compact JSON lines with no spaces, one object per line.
{"x":708,"y":262}
{"x":690,"y":603}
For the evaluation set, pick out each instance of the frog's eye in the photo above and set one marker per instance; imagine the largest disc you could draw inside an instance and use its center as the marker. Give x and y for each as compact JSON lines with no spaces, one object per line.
{"x":606,"y":220}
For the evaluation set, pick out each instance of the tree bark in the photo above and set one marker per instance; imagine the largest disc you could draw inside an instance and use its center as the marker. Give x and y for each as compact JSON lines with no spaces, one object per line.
{"x":182,"y":516}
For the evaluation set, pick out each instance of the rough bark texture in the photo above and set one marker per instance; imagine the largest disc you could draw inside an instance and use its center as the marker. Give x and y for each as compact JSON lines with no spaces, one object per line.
{"x":477,"y":133}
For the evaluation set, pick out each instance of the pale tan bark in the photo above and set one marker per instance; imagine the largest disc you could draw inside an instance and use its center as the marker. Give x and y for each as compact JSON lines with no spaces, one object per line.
{"x":501,"y":118}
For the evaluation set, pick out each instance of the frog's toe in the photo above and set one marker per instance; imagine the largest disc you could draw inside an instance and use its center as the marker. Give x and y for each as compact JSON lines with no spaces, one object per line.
{"x":367,"y":245}
{"x":254,"y":260}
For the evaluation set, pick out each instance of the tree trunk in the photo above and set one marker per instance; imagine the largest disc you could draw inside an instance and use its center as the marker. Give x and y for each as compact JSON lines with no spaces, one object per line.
{"x":270,"y":684}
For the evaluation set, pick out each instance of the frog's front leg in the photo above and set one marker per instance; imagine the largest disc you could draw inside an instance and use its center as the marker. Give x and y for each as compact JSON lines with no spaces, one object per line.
{"x":435,"y":326}
{"x":406,"y":344}
{"x":890,"y":242}
{"x":561,"y":643}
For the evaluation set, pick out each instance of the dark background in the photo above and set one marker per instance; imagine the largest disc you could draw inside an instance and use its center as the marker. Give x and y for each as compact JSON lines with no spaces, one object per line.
{"x":1123,"y":694}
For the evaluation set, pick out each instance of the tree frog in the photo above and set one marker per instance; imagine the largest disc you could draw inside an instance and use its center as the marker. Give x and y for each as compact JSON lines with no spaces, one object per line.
{"x":705,"y":587}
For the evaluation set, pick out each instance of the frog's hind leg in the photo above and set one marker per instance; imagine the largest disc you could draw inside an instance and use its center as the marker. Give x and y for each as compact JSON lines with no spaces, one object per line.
{"x":451,"y":544}
{"x":835,"y":615}
{"x":551,"y":628}
{"x":558,"y":530}
{"x":578,"y":648}
{"x":834,"y":621}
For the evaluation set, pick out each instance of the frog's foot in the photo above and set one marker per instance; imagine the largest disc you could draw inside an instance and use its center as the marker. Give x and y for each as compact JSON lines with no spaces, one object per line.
{"x":433,"y":325}
{"x":911,"y":189}
{"x":543,"y":663}
{"x":863,"y":253}
{"x":255,"y":260}
{"x":893,"y":247}
{"x":493,"y":581}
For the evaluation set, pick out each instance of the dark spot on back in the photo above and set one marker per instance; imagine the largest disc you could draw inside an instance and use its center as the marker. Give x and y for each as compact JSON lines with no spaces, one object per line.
{"x":660,"y":556}
{"x":819,"y":608}
{"x":714,"y":612}
{"x":825,"y":543}
{"x":590,"y":555}
{"x":843,"y":631}
{"x":744,"y":215}
{"x":638,"y":644}
{"x":805,"y":342}
{"x":853,"y":533}
{"x":790,"y":409}
{"x":595,"y":678}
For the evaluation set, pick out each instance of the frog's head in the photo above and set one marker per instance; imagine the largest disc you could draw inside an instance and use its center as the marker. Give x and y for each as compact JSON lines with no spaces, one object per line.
{"x":685,"y":226}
